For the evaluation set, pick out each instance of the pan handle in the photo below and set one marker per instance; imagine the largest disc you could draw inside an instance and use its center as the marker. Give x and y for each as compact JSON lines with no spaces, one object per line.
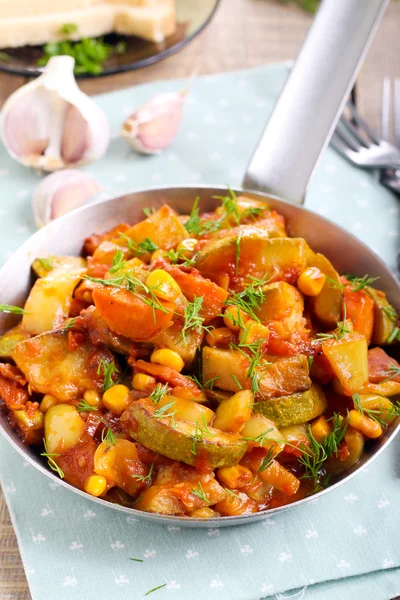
{"x":313,"y":97}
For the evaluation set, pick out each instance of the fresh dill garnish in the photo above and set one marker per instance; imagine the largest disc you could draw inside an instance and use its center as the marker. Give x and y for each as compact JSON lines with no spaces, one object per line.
{"x":162,"y":413}
{"x":9,"y":308}
{"x":257,"y":365}
{"x":68,"y":28}
{"x":149,"y":210}
{"x":194,"y":225}
{"x":70,"y":324}
{"x":199,"y":432}
{"x":145,"y":478}
{"x":231,"y":493}
{"x":230,"y":206}
{"x":192,"y":319}
{"x":260,"y":438}
{"x":107,"y":435}
{"x":178,"y":256}
{"x":342,"y":329}
{"x":200,"y":493}
{"x":395,"y":372}
{"x":381,"y":415}
{"x":236,"y":380}
{"x":206,"y":385}
{"x":395,"y":335}
{"x":84,"y":406}
{"x":50,"y":460}
{"x":46,"y":263}
{"x":390,"y":312}
{"x":137,"y":559}
{"x":251,"y":298}
{"x":237,"y":254}
{"x":360,"y":283}
{"x":107,"y":370}
{"x":267,"y":461}
{"x":155,"y":589}
{"x":159,"y":392}
{"x":118,"y":262}
{"x":310,"y":360}
{"x":145,"y":247}
{"x":336,"y":284}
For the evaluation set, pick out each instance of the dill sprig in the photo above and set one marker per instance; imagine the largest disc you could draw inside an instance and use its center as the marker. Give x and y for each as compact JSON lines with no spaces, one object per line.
{"x":342,"y":329}
{"x":194,"y":224}
{"x":261,"y":437}
{"x":257,"y":365}
{"x":192,"y":319}
{"x":199,"y":432}
{"x":237,"y":254}
{"x":391,"y":313}
{"x":251,"y":298}
{"x":162,"y":413}
{"x":9,"y":308}
{"x":107,"y":435}
{"x":267,"y":461}
{"x":381,"y":415}
{"x":178,"y":256}
{"x":145,"y":247}
{"x":200,"y":493}
{"x":395,"y":372}
{"x":84,"y":406}
{"x":46,"y":263}
{"x":145,"y":478}
{"x":107,"y":370}
{"x":231,"y":493}
{"x":159,"y":392}
{"x":149,"y":210}
{"x":50,"y":460}
{"x":360,"y":283}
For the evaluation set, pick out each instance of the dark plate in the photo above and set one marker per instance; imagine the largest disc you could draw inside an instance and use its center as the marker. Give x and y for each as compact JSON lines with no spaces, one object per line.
{"x":192,"y":17}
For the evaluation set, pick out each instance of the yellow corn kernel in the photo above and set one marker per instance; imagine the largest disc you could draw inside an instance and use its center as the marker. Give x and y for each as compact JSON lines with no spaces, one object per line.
{"x":116,"y":399}
{"x":320,"y":428}
{"x":163,"y":285}
{"x":47,"y":402}
{"x":311,"y":281}
{"x":186,"y":247}
{"x":253,"y":332}
{"x":142,"y":382}
{"x":168,"y":358}
{"x":235,"y":318}
{"x":157,"y":255}
{"x":367,"y":426}
{"x":92,"y":398}
{"x":95,"y":485}
{"x":234,"y":477}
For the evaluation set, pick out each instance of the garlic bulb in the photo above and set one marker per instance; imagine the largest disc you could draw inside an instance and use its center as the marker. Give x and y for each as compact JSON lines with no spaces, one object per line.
{"x":153,"y":126}
{"x":60,"y":193}
{"x":50,"y":124}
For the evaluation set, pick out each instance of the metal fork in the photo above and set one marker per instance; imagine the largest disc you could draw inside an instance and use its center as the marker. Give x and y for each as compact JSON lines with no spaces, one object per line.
{"x":391,"y":177}
{"x":356,"y":141}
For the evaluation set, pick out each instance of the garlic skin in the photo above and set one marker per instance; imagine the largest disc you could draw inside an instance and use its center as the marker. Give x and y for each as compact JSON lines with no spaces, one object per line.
{"x":154,"y":126}
{"x":49,"y":124}
{"x":62,"y":192}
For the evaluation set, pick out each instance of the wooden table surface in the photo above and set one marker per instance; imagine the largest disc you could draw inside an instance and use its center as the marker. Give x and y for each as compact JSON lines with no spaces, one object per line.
{"x":244,"y":33}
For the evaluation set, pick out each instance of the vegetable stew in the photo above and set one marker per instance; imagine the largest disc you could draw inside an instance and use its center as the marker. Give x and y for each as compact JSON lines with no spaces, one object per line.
{"x":200,"y":365}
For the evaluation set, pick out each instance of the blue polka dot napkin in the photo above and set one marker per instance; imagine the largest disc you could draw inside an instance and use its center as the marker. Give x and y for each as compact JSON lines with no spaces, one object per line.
{"x":345,"y":544}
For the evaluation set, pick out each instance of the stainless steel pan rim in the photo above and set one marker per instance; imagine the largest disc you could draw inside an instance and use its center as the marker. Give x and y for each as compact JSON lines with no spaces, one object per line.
{"x":149,"y":196}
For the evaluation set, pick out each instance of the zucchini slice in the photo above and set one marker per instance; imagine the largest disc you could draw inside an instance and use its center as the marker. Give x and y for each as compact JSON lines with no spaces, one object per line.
{"x":180,"y":440}
{"x":295,"y":409}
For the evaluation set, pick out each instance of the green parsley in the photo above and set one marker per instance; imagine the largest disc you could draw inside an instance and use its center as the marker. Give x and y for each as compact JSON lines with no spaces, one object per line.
{"x":107,"y":370}
{"x":155,"y":589}
{"x":50,"y":460}
{"x":90,"y":54}
{"x":200,"y":493}
{"x":15,"y":310}
{"x":84,"y":406}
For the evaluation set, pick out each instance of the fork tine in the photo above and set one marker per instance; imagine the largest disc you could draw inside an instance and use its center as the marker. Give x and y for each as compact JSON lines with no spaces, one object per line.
{"x":337,"y":143}
{"x":343,"y":133}
{"x":354,"y":131}
{"x":362,"y":124}
{"x":396,"y":112}
{"x":385,"y":115}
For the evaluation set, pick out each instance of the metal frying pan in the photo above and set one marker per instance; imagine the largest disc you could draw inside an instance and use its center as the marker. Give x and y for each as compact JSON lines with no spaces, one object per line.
{"x":298,"y":130}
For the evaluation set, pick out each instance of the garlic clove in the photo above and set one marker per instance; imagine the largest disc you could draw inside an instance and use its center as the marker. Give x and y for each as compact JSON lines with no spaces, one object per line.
{"x":154,"y":126}
{"x":62,"y":192}
{"x":76,"y":136}
{"x":50,"y":124}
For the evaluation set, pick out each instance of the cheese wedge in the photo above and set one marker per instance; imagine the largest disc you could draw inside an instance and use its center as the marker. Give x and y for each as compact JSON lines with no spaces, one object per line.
{"x":33,"y":22}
